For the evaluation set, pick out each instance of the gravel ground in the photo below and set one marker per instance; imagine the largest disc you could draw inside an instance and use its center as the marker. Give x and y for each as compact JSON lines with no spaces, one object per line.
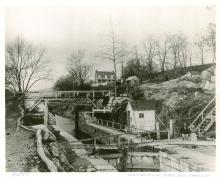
{"x":21,"y":154}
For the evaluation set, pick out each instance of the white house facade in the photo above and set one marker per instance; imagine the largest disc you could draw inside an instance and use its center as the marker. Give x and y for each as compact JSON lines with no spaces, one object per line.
{"x":140,"y":116}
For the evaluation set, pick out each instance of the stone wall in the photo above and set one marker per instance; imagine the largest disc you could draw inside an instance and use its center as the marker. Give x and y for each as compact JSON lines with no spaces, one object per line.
{"x":94,"y":132}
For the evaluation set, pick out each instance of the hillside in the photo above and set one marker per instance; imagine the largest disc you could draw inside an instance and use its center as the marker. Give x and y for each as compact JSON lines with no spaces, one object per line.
{"x":178,"y":72}
{"x":182,"y":98}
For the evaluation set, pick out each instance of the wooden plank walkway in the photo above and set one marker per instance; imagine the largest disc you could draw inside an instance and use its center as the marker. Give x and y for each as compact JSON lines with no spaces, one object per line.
{"x":142,"y":143}
{"x":143,"y":166}
{"x":177,"y":142}
{"x":145,"y":154}
{"x":92,"y":146}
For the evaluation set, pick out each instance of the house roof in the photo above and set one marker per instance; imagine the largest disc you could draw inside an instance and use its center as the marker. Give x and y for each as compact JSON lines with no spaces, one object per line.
{"x":105,"y":72}
{"x":141,"y":105}
{"x":132,"y":78}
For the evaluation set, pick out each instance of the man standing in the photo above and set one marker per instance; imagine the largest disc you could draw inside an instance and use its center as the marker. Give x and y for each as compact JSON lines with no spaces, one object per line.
{"x":184,"y":132}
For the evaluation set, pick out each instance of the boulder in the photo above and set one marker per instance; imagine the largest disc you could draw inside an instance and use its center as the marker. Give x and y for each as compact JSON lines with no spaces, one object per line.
{"x":47,"y":153}
{"x":91,"y":169}
{"x":47,"y":135}
{"x":58,"y":165}
{"x":54,"y":149}
{"x":208,"y":73}
{"x":65,"y":163}
{"x":208,"y":86}
{"x":187,"y":84}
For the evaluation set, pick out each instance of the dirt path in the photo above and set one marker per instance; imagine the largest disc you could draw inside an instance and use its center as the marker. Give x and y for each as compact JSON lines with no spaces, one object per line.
{"x":21,"y":155}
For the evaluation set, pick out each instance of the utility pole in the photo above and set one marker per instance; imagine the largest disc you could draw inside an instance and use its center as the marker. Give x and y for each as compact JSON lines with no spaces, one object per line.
{"x":122,"y":69}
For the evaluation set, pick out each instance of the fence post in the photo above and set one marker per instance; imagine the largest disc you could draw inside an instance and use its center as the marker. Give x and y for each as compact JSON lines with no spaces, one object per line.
{"x":158,"y":130}
{"x":118,"y":140}
{"x":94,"y":142}
{"x":112,"y":124}
{"x":92,"y":114}
{"x":171,"y":127}
{"x":168,"y":134}
{"x":46,"y":113}
{"x":107,"y":123}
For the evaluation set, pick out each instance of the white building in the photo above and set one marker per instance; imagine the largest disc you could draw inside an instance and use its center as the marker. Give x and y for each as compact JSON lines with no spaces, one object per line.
{"x":140,"y":116}
{"x":104,"y":76}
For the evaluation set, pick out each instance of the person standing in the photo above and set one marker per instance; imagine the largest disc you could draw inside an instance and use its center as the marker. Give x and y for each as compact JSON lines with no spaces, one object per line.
{"x":193,"y":136}
{"x":184,"y":132}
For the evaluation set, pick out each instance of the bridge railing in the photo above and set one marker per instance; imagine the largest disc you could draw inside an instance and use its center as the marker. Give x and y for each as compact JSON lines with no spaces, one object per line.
{"x":111,"y":140}
{"x":110,"y":124}
{"x":151,"y":135}
{"x":86,"y":93}
{"x":69,"y":94}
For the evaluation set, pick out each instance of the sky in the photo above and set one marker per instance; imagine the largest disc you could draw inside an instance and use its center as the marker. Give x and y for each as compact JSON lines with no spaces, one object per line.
{"x":63,"y":29}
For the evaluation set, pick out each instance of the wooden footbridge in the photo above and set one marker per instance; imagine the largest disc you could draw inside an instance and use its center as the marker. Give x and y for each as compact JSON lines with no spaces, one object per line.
{"x":86,"y":97}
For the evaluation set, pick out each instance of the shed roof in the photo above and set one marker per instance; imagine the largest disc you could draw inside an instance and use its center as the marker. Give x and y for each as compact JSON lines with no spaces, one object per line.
{"x":132,"y":78}
{"x":141,"y":105}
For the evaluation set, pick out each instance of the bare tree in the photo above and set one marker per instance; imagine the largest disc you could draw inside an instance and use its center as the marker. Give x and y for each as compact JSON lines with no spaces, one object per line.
{"x":150,"y":48}
{"x":190,"y":54}
{"x":177,"y":44}
{"x":78,"y":70}
{"x":112,"y":50}
{"x":185,"y":56}
{"x":211,"y":40}
{"x":201,"y":45}
{"x":25,"y":65}
{"x":135,"y":66}
{"x":162,"y":52}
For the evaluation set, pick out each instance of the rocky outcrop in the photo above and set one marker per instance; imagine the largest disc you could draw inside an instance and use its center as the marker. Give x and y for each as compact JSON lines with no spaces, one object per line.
{"x":183,"y":98}
{"x":51,"y":153}
{"x":40,"y":150}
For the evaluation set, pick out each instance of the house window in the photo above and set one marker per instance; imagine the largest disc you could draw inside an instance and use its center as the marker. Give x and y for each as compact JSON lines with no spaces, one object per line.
{"x":141,"y":115}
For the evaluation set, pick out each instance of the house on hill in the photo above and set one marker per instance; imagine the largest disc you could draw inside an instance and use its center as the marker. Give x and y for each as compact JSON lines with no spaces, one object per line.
{"x":140,"y":116}
{"x":104,"y":77}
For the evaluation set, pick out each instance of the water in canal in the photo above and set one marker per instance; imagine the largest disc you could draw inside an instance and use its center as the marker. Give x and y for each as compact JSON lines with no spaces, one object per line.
{"x":68,"y":125}
{"x":115,"y":157}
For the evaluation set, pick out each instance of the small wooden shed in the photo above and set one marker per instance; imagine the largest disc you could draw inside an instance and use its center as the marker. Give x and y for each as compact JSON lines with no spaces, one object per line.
{"x":140,"y":116}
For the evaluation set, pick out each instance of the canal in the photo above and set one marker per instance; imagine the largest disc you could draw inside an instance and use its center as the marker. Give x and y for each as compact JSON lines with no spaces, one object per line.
{"x":118,"y":158}
{"x":68,"y":125}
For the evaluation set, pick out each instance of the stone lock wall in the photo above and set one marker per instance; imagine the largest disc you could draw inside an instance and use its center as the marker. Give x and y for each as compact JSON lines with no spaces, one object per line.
{"x":173,"y":164}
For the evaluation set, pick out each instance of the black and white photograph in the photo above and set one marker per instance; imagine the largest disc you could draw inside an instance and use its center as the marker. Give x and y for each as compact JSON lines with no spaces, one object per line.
{"x":94,"y":88}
